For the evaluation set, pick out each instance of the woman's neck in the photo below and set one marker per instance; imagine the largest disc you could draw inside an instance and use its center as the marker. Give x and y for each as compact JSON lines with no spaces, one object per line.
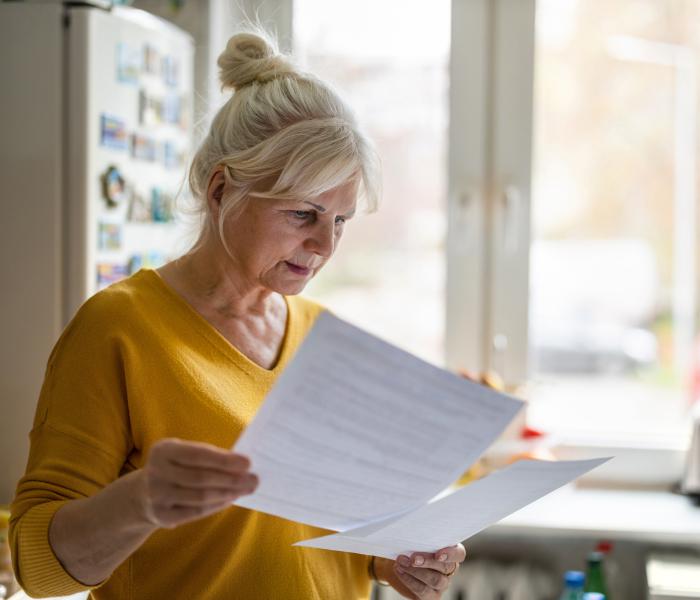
{"x":214,"y":284}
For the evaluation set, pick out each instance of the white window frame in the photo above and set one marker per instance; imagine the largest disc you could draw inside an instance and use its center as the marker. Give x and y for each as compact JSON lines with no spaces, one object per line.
{"x":488,"y":205}
{"x":490,"y":167}
{"x":490,"y":141}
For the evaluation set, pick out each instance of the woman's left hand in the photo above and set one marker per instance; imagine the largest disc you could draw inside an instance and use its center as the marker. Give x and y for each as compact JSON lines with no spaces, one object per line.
{"x":423,"y":575}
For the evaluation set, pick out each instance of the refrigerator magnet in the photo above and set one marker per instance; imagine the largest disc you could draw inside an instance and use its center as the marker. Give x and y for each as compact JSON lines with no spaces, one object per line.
{"x":139,"y":209}
{"x":143,"y":106}
{"x":170,"y":156}
{"x":113,"y":186}
{"x":109,"y":236}
{"x":151,"y":60}
{"x":112,"y":132}
{"x":161,"y":206}
{"x":143,"y":147}
{"x":109,"y":273}
{"x":128,"y":63}
{"x":171,"y":69}
{"x":171,"y":109}
{"x":150,"y":109}
{"x":135,"y":263}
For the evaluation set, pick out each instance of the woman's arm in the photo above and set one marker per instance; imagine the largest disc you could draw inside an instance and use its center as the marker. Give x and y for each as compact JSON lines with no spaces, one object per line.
{"x":181,"y":482}
{"x":91,"y":537}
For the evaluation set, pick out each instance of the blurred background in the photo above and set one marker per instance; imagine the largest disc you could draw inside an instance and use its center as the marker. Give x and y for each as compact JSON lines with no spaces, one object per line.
{"x":538,"y":225}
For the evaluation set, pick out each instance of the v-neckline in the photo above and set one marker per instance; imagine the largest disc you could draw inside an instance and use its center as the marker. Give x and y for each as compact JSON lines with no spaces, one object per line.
{"x":220,"y":341}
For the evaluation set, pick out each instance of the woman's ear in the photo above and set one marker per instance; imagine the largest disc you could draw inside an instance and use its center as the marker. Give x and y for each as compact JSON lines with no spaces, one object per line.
{"x":215,"y":191}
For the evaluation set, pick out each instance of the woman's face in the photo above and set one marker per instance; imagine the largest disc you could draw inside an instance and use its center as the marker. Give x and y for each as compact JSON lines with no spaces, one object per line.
{"x":281,"y":244}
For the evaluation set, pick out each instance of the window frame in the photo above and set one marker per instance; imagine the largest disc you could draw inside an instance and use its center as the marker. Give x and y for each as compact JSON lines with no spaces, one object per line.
{"x":489,"y":170}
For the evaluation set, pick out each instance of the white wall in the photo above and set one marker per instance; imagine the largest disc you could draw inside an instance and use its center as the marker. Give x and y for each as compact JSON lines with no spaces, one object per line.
{"x":30,"y":225}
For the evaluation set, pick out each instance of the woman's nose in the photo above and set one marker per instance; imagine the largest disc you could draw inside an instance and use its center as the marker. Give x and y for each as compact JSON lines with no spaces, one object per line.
{"x":322,"y":240}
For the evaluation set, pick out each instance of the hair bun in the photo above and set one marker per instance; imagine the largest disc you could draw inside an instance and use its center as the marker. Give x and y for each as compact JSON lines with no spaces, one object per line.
{"x":250,"y":57}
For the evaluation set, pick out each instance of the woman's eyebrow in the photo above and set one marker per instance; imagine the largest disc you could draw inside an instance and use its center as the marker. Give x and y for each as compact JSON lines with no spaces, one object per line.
{"x":322,"y":209}
{"x":318,"y":207}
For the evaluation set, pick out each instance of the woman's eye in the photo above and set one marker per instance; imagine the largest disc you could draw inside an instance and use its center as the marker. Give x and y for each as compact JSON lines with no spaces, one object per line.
{"x":339,"y":220}
{"x":301,"y":214}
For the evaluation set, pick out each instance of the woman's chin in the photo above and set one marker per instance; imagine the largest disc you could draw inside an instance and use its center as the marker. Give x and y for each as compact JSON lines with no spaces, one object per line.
{"x":290,"y":288}
{"x":288,"y":282}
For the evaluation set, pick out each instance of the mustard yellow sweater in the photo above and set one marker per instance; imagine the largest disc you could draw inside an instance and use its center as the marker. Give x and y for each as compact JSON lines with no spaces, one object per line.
{"x":137,"y":364}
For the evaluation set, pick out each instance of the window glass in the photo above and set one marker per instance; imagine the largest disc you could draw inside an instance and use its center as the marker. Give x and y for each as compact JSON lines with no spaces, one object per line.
{"x":613,"y":310}
{"x":388,"y":272}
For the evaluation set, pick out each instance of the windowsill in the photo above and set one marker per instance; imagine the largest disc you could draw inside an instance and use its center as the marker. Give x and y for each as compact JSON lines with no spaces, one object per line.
{"x":638,"y":515}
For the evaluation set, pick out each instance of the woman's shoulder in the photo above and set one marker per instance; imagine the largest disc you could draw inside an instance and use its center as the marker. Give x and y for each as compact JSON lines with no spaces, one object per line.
{"x":305,"y":306}
{"x":304,"y":311}
{"x":118,"y":303}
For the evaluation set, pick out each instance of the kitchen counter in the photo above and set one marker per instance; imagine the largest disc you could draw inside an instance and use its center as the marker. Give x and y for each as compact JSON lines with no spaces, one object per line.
{"x":587,"y":512}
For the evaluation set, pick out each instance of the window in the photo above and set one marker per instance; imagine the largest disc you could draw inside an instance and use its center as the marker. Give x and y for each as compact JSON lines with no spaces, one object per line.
{"x":613,"y":257}
{"x":566,"y":221}
{"x":388,"y":272}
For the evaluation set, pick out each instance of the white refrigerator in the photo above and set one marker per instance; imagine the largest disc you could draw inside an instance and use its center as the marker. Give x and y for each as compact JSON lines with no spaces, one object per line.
{"x":95,"y":136}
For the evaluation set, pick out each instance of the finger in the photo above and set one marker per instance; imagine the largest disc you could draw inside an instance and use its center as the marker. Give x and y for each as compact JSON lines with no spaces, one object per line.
{"x":445,"y":560}
{"x":199,"y":454}
{"x":470,"y":375}
{"x":456,"y":553}
{"x":432,"y":578}
{"x":172,"y":516}
{"x":181,"y":496}
{"x":416,"y":586}
{"x":427,"y":560}
{"x":194,"y":477}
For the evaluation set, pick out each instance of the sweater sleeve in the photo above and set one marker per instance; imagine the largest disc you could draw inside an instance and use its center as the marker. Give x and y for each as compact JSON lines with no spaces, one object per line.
{"x":78,"y":444}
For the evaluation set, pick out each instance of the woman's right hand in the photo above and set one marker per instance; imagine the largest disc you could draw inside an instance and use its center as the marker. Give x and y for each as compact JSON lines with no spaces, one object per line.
{"x":183,"y":481}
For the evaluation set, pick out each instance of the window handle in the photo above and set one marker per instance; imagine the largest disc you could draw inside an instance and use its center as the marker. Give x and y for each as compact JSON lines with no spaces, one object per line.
{"x":512,"y":215}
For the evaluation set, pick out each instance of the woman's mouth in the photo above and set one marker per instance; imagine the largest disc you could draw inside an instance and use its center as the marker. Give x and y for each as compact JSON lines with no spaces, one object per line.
{"x":297,"y":269}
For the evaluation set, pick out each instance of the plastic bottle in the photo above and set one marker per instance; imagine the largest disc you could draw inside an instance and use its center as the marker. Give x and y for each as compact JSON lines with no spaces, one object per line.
{"x":573,"y":585}
{"x":595,"y":578}
{"x":614,"y":582}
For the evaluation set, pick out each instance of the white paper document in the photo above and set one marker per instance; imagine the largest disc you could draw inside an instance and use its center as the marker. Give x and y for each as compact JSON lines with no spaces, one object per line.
{"x":459,"y":515}
{"x":358,"y":436}
{"x":356,"y":430}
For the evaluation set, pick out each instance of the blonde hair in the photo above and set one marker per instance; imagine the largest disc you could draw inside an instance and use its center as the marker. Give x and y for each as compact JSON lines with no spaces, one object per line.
{"x":283,"y":134}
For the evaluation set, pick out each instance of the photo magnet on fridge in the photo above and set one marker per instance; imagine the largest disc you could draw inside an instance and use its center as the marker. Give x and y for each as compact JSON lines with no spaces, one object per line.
{"x":109,"y":273}
{"x":171,"y":107}
{"x":113,"y":132}
{"x":139,"y":209}
{"x":171,"y":71}
{"x":114,"y":189}
{"x":143,"y":147}
{"x":150,"y":109}
{"x":171,"y":156}
{"x":151,"y":60}
{"x":109,"y":236}
{"x":128,"y":63}
{"x":162,"y":206}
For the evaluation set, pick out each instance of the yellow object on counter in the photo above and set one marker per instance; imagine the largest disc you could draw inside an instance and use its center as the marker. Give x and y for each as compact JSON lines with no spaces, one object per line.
{"x":7,"y":578}
{"x":493,"y":381}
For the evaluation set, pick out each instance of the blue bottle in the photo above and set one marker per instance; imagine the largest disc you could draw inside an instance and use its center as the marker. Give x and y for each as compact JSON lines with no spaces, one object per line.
{"x":573,"y":586}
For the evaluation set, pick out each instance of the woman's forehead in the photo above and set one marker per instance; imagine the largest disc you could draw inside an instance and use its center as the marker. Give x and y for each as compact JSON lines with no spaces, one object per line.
{"x":342,"y":198}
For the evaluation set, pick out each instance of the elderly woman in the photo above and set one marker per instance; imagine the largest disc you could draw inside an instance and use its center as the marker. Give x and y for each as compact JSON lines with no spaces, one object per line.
{"x":129,"y":483}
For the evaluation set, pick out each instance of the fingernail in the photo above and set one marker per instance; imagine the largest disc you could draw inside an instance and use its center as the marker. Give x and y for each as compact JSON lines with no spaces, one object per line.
{"x":418,"y":561}
{"x":442,"y":557}
{"x":404,"y":561}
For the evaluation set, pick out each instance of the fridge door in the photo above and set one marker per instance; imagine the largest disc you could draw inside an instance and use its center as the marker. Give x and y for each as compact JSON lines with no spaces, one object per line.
{"x":129,"y":124}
